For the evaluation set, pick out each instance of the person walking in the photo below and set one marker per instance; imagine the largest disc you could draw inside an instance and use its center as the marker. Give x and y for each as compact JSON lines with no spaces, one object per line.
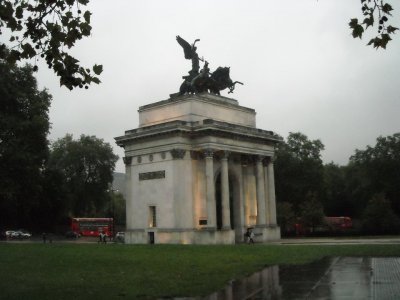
{"x":100,"y":237}
{"x":104,"y":238}
{"x":251,"y":239}
{"x":249,"y":236}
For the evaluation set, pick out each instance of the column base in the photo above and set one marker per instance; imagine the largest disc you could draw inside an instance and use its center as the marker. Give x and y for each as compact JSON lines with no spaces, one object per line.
{"x":209,"y":228}
{"x":225,"y":228}
{"x":266,"y":233}
{"x":201,"y":236}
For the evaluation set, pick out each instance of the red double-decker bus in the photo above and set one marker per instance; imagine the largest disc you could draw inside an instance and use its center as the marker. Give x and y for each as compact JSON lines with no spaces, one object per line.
{"x":339,"y":223}
{"x":92,"y":226}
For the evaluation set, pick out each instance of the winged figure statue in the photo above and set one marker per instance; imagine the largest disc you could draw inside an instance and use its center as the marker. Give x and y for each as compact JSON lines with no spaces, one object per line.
{"x":190,"y":53}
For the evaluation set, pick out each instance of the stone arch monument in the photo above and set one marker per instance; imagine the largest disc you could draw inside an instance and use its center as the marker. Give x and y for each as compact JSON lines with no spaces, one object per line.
{"x":183,"y":148}
{"x":198,"y":171}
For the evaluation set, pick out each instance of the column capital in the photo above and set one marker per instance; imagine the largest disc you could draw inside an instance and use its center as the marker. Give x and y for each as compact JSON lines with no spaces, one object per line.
{"x":127,"y":160}
{"x":246,"y":160}
{"x":225,"y":154}
{"x":260,"y":158}
{"x":269,"y":159}
{"x":178,"y":153}
{"x":209,"y":152}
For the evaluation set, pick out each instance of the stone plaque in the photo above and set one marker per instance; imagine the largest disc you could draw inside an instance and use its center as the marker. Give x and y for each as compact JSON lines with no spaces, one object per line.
{"x":152,"y":175}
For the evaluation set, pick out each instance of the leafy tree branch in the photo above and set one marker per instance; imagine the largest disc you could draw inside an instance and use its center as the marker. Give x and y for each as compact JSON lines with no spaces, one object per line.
{"x":376,"y":14}
{"x":48,"y":28}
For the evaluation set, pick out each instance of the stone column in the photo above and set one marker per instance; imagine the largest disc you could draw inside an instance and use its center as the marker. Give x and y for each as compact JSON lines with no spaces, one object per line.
{"x":266,"y":190}
{"x":260,"y":191}
{"x":240,"y":206}
{"x":226,"y":217}
{"x":128,"y":184}
{"x":210,"y":190}
{"x":271,"y":192}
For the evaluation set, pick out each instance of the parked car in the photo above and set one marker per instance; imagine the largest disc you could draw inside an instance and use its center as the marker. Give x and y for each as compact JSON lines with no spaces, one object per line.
{"x":72,"y":235}
{"x":120,"y":237}
{"x":20,"y":234}
{"x":9,"y":233}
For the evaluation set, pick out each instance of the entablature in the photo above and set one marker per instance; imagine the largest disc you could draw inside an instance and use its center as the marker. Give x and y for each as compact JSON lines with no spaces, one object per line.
{"x":193,"y":130}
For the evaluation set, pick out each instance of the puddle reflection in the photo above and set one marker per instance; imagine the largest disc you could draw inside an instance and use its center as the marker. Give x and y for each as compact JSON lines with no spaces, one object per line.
{"x":261,"y":285}
{"x":329,"y":278}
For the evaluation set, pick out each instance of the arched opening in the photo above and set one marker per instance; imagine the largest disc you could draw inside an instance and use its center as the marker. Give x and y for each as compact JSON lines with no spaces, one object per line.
{"x":218,"y":200}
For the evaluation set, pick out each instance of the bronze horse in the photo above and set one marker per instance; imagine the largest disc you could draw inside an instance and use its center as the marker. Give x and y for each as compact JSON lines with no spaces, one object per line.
{"x":203,"y":81}
{"x":213,"y":83}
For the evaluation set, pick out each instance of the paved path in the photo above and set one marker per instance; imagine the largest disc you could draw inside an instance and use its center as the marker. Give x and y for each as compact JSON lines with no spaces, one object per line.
{"x":342,"y":278}
{"x":335,"y":241}
{"x":338,"y":278}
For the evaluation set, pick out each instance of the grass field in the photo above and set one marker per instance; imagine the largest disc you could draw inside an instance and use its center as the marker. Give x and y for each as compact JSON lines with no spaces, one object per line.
{"x":114,"y":271}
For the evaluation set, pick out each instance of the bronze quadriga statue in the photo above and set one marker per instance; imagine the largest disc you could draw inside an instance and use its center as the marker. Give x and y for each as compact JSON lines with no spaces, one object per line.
{"x":199,"y":81}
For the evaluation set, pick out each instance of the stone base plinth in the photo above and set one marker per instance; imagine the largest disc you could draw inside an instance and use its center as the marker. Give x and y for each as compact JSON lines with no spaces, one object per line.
{"x":263,"y":234}
{"x":173,"y":236}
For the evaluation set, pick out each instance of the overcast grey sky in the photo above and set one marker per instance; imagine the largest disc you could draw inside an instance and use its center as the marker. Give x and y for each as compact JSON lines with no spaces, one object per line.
{"x":301,"y":68}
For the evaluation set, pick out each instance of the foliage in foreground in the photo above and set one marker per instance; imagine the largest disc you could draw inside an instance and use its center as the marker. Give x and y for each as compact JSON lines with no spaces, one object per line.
{"x":64,"y":271}
{"x":48,"y":28}
{"x":376,"y":14}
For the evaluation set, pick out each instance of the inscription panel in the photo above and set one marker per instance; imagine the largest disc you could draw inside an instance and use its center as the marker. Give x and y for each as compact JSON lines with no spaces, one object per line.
{"x":152,"y":175}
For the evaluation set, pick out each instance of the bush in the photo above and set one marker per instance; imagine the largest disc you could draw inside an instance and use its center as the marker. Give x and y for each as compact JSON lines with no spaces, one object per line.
{"x":379,"y":217}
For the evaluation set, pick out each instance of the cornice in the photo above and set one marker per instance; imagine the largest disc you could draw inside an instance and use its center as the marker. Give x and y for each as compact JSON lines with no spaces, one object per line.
{"x":193,"y":130}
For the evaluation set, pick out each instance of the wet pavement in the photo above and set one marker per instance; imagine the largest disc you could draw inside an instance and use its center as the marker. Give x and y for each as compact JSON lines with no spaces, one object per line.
{"x":338,"y":240}
{"x":330,"y":278}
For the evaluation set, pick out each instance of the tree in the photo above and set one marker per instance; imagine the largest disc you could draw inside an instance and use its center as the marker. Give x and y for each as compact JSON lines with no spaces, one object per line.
{"x":51,"y":208}
{"x":24,"y":125}
{"x":286,"y":216}
{"x":376,"y":170}
{"x":379,"y":218}
{"x":87,"y":165}
{"x":311,"y":212}
{"x":298,"y":169}
{"x":117,"y":208}
{"x":47,"y":28}
{"x":336,"y":201}
{"x":373,"y":10}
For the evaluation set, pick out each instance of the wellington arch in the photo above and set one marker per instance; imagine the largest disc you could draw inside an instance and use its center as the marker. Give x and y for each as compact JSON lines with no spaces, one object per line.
{"x":199,"y":171}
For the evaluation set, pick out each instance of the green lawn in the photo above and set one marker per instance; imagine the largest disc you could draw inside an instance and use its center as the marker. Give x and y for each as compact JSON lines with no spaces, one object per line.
{"x":93,"y":271}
